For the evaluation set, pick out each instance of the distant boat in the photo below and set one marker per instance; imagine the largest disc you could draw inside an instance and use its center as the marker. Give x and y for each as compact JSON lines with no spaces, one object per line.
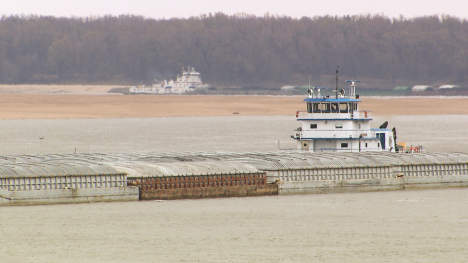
{"x":188,"y":81}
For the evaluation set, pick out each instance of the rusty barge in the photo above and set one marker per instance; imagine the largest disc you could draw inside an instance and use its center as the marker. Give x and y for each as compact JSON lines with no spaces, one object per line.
{"x":76,"y":178}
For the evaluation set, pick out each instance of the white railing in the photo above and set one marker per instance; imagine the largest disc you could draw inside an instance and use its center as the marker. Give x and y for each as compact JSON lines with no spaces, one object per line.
{"x":334,"y":134}
{"x":333,"y":115}
{"x":362,"y":114}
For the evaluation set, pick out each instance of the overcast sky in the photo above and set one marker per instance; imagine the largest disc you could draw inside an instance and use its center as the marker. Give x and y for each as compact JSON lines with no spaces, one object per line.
{"x":165,"y":9}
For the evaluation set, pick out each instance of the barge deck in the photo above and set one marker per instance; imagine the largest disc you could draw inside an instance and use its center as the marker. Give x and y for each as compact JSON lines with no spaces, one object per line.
{"x":74,"y":178}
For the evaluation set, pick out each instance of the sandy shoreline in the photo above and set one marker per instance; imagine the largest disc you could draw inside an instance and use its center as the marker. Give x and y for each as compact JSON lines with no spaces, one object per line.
{"x":83,"y":106}
{"x":64,"y":89}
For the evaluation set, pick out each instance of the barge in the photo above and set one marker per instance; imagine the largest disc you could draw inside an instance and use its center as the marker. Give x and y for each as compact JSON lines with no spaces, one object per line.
{"x":77,"y":178}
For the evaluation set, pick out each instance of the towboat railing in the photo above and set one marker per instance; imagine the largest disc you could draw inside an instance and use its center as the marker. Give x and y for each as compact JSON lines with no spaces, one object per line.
{"x":362,"y":114}
{"x":351,"y":134}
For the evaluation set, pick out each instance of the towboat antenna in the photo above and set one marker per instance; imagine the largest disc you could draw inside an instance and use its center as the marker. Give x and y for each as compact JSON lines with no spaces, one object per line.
{"x":336,"y":87}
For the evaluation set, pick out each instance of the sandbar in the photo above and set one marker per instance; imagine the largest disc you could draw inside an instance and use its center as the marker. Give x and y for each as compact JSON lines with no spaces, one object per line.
{"x":86,"y":106}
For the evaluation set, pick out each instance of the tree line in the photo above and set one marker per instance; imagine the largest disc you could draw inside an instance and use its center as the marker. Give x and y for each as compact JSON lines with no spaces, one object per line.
{"x":233,"y":50}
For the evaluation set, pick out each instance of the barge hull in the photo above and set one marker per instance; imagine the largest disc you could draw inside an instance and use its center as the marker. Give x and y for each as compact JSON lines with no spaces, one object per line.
{"x":209,"y":192}
{"x":372,"y":185}
{"x":68,"y":196}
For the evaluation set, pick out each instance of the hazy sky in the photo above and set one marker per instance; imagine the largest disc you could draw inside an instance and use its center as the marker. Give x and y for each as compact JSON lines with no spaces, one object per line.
{"x":187,"y":8}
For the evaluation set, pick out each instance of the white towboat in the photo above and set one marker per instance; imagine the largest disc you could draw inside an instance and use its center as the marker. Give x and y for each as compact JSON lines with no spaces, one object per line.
{"x":188,"y":81}
{"x":338,"y":125}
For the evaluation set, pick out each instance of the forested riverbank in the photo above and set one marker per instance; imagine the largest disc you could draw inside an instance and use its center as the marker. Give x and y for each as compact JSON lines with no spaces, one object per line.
{"x":240,"y":50}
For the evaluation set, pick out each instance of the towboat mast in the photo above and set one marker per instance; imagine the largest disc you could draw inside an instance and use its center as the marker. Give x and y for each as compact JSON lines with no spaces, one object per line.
{"x":336,"y":87}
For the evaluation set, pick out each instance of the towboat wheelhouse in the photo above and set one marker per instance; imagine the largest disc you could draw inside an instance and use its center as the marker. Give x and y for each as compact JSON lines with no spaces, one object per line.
{"x":338,"y":125}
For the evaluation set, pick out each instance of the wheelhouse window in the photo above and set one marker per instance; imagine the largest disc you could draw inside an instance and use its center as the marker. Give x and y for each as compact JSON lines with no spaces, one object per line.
{"x":324,"y":107}
{"x":313,"y":126}
{"x":343,"y":107}
{"x":344,"y":145}
{"x":327,"y":107}
{"x":339,"y":126}
{"x":334,"y":107}
{"x":316,"y":108}
{"x":309,"y":107}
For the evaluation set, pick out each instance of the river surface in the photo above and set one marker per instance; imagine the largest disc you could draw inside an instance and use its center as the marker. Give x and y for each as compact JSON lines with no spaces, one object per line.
{"x":437,"y":133}
{"x":400,"y":226}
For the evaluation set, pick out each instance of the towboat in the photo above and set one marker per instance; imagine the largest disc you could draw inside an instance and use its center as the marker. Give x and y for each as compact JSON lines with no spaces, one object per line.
{"x":188,"y":81}
{"x":337,"y":124}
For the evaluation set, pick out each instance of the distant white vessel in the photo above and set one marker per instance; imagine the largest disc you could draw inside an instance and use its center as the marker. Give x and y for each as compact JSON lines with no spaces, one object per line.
{"x":189,"y":81}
